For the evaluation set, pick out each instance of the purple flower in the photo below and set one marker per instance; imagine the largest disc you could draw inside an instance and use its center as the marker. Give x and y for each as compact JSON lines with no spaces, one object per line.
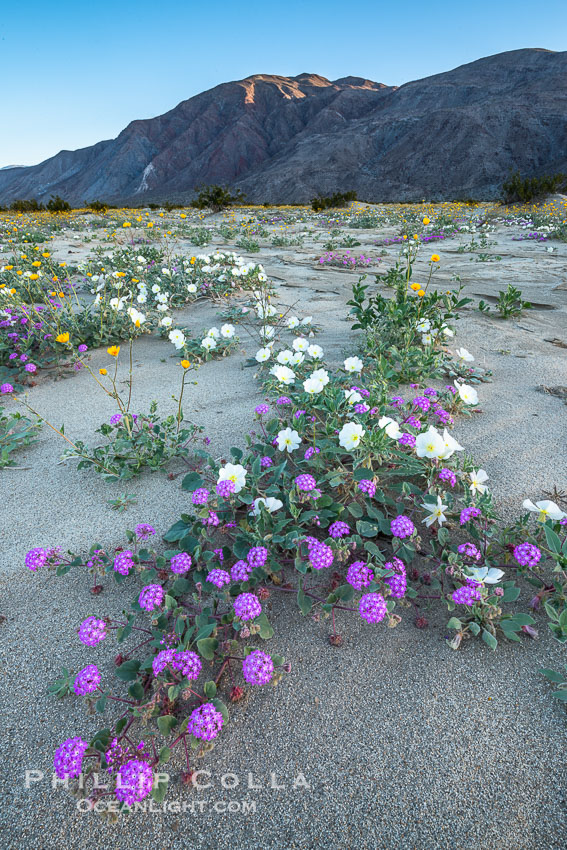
{"x":257,"y":556}
{"x":36,"y":558}
{"x":247,"y":606}
{"x":115,"y":419}
{"x":144,"y":531}
{"x":225,"y":488}
{"x":82,"y":348}
{"x":151,"y":597}
{"x":240,"y":571}
{"x":265,"y":462}
{"x":397,"y":401}
{"x":6,"y":388}
{"x":68,"y":760}
{"x":29,"y":367}
{"x":305,"y":482}
{"x":162,"y":660}
{"x":320,"y":555}
{"x":261,"y":409}
{"x":466,"y":595}
{"x":359,"y":575}
{"x":412,"y":422}
{"x":219,"y":578}
{"x":398,"y":582}
{"x":200,"y":496}
{"x":402,"y":526}
{"x":134,"y":781}
{"x":87,"y":680}
{"x":205,"y":722}
{"x":258,"y":668}
{"x":180,"y":563}
{"x":448,"y":475}
{"x":188,"y":663}
{"x":372,"y":607}
{"x":469,"y":550}
{"x":407,"y":440}
{"x":468,"y":514}
{"x":283,"y":399}
{"x":361,"y":408}
{"x":123,"y":562}
{"x":339,"y":529}
{"x":211,"y":520}
{"x":92,"y":631}
{"x":527,"y":555}
{"x":310,"y":452}
{"x":422,"y":402}
{"x":367,"y":486}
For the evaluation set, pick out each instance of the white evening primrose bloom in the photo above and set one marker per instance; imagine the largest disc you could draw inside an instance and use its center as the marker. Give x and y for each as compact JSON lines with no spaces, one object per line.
{"x":191,"y":288}
{"x":545,"y":510}
{"x":477,"y":481}
{"x":297,"y":359}
{"x":467,"y":394}
{"x":307,"y":320}
{"x":293,"y":322}
{"x":353,"y":364}
{"x":284,"y":357}
{"x":321,"y":375}
{"x":436,"y":512}
{"x":283,"y":374}
{"x":313,"y":386}
{"x":424,"y":326}
{"x":214,"y":333}
{"x":351,"y":396}
{"x":270,"y":504}
{"x":227,"y":331}
{"x":464,"y":355}
{"x":426,"y":339}
{"x":156,"y":288}
{"x":446,"y":331}
{"x":485,"y":575}
{"x":451,"y":445}
{"x":262,"y":355}
{"x":315,"y":352}
{"x":350,"y":435}
{"x":288,"y":440}
{"x":266,"y":332}
{"x":234,"y":472}
{"x":429,"y":444}
{"x":165,"y":322}
{"x":136,"y":317}
{"x":390,"y":426}
{"x":300,"y":344}
{"x":208,"y":343}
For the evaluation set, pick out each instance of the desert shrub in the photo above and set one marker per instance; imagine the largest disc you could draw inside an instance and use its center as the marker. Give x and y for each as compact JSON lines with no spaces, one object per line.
{"x":97,"y":206}
{"x":216,"y":198}
{"x":30,"y":205}
{"x":518,"y":189}
{"x":339,"y":199}
{"x":56,"y":204}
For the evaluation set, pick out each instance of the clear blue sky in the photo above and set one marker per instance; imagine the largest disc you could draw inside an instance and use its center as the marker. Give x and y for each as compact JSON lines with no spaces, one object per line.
{"x":74,"y":73}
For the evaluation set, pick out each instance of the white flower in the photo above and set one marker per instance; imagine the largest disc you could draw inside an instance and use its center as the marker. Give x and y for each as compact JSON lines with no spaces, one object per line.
{"x":227,"y":331}
{"x":270,"y":504}
{"x":321,"y":375}
{"x":283,"y":374}
{"x":477,"y":481}
{"x":430,"y":443}
{"x":435,"y":512}
{"x":262,"y":277}
{"x":350,"y":435}
{"x":262,"y":355}
{"x":390,"y":426}
{"x":426,"y":339}
{"x":284,"y":357}
{"x":300,"y":344}
{"x":424,"y":326}
{"x":191,"y":288}
{"x":177,"y":338}
{"x":288,"y":440}
{"x":468,"y":394}
{"x":165,"y":322}
{"x":315,"y":352}
{"x":297,"y":359}
{"x":464,"y":355}
{"x":545,"y":509}
{"x":353,"y":364}
{"x":447,"y":331}
{"x":266,"y":333}
{"x":307,"y":320}
{"x":313,"y":386}
{"x":214,"y":333}
{"x":451,"y":445}
{"x":292,"y":322}
{"x":136,"y":317}
{"x":235,"y":473}
{"x":156,"y":288}
{"x":486,"y":575}
{"x":208,"y":343}
{"x":351,"y":396}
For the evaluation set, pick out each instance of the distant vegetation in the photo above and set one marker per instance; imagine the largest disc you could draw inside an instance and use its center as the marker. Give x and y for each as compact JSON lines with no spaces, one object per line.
{"x":339,"y":199}
{"x":518,"y":189}
{"x":216,"y":198}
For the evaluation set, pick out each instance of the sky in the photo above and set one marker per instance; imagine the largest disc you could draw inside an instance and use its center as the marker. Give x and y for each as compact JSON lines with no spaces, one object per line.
{"x":75,"y":73}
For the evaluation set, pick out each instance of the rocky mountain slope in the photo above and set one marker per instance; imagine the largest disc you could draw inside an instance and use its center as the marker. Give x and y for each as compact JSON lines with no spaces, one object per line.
{"x":285,"y":139}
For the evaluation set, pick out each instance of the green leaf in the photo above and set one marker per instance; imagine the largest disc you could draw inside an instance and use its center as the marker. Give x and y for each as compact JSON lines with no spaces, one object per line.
{"x":553,"y":540}
{"x":489,"y":639}
{"x":266,"y":628}
{"x":220,"y":706}
{"x":474,"y":628}
{"x":210,"y":689}
{"x":304,"y":602}
{"x":166,"y":724}
{"x":366,"y":529}
{"x":454,"y":623}
{"x":136,"y":690}
{"x":552,"y":675}
{"x":354,"y":509}
{"x":206,"y":648}
{"x":128,"y":671}
{"x":562,"y":695}
{"x":191,"y":482}
{"x":100,"y":704}
{"x":159,"y":790}
{"x":164,"y":755}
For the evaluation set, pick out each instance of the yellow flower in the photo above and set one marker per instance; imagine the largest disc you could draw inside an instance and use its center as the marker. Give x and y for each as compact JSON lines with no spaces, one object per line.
{"x":415,"y":286}
{"x":102,"y":372}
{"x":46,"y":254}
{"x":62,"y":338}
{"x":62,"y":265}
{"x":150,"y":224}
{"x":113,"y":350}
{"x":135,"y":280}
{"x":405,"y":237}
{"x":127,"y":224}
{"x":182,"y":215}
{"x":8,"y":268}
{"x":426,"y":220}
{"x":19,"y":271}
{"x":421,"y":293}
{"x":61,"y":294}
{"x":34,"y":276}
{"x":192,"y":261}
{"x":435,"y":258}
{"x":185,"y":364}
{"x":36,"y":263}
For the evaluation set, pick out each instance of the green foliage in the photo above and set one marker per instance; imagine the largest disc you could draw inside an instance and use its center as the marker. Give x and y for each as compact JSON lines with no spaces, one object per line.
{"x":510,"y":303}
{"x":24,"y":206}
{"x":518,"y":189}
{"x":337,"y":200}
{"x":56,"y":204}
{"x":16,"y":431}
{"x":216,"y":198}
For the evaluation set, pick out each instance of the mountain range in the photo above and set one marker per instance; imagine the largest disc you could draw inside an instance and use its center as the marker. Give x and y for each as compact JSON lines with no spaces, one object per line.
{"x":286,"y":139}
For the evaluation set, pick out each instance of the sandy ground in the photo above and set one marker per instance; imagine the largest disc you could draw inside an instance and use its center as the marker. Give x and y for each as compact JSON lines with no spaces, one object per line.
{"x":402,"y":742}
